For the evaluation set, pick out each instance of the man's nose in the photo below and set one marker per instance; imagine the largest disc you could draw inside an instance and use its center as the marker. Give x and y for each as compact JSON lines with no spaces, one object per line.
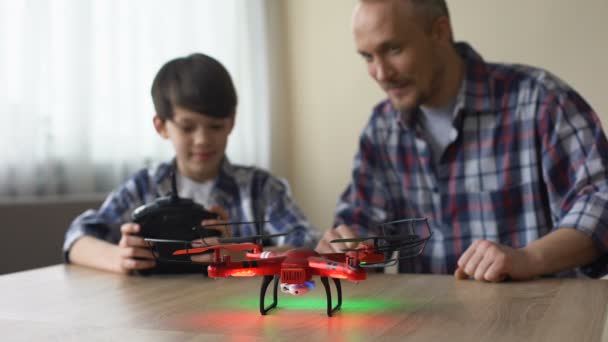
{"x":383,"y":71}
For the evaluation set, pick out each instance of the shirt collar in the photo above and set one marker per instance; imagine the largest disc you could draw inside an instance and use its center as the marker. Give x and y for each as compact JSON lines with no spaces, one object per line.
{"x":473,"y":96}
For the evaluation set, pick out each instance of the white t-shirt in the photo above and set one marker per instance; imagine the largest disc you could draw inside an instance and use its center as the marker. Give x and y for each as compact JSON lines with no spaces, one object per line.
{"x":438,"y":129}
{"x":198,"y":192}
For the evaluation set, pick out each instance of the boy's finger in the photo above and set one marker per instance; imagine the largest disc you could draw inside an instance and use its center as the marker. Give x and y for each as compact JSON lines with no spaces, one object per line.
{"x":135,"y":241}
{"x":129,"y":228}
{"x":202,"y":258}
{"x":135,"y":264}
{"x":223,"y":214}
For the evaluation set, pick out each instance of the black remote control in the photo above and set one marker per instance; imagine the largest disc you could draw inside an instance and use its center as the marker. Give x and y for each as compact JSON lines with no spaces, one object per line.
{"x":173,"y":218}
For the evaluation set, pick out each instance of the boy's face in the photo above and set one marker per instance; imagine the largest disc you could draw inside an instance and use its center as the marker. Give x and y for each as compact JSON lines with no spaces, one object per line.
{"x":199,"y":141}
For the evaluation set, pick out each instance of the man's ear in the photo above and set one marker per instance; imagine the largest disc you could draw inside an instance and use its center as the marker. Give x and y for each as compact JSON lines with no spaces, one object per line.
{"x":160,"y":125}
{"x":442,"y":29}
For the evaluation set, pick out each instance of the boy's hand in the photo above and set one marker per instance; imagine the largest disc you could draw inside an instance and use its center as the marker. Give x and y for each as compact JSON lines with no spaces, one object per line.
{"x":223,"y":218}
{"x":133,"y":252}
{"x":212,"y":241}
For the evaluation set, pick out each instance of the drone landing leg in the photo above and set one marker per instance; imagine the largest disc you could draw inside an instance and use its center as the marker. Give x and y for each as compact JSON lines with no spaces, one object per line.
{"x":330,"y":310}
{"x":265,"y":283}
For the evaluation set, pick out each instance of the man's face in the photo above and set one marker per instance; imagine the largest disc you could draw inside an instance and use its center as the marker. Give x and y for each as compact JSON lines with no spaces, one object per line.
{"x":400,"y":55}
{"x":199,"y":141}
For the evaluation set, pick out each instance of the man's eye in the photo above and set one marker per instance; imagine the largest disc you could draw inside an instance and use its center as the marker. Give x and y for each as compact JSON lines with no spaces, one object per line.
{"x":395,"y":50}
{"x":216,"y":127}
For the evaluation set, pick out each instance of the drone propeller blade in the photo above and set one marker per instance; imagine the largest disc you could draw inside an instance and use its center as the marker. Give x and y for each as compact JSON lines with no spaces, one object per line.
{"x":353,"y":249}
{"x":386,"y":263}
{"x":228,"y":223}
{"x":232,"y":248}
{"x":361,"y":239}
{"x":166,"y":241}
{"x":252,"y":238}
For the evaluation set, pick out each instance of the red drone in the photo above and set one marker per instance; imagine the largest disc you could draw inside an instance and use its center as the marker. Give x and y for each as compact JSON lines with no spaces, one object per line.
{"x":295,"y":268}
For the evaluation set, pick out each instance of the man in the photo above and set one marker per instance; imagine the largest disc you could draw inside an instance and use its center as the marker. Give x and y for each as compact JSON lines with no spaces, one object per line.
{"x":507,"y":162}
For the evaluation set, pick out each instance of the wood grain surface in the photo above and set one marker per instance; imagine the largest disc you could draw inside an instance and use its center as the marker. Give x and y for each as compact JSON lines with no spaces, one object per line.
{"x":71,"y":303}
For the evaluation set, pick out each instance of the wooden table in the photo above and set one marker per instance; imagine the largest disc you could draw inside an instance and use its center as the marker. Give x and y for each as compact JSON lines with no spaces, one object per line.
{"x":62,"y":303}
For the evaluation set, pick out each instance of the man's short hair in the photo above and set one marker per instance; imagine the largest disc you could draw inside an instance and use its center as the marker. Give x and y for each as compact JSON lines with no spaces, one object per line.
{"x":196,"y":82}
{"x":430,"y":10}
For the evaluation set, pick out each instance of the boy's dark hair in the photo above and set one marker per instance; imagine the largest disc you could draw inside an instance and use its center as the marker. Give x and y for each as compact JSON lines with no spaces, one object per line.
{"x":196,"y":82}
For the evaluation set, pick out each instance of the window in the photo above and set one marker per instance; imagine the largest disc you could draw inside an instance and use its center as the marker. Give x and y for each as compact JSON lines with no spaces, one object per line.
{"x":76,"y":110}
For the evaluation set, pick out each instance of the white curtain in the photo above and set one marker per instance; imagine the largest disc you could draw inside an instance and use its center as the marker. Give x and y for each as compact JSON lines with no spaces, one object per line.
{"x":75,"y":78}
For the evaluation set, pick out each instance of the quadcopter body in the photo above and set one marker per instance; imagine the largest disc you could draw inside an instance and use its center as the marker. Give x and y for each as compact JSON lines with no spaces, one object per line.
{"x":294,"y":269}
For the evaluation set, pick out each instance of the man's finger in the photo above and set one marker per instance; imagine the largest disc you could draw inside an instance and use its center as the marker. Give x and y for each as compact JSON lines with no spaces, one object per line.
{"x":459,"y":274}
{"x":325,"y":247}
{"x":471,"y":266}
{"x":496,"y":272}
{"x":482,"y":269}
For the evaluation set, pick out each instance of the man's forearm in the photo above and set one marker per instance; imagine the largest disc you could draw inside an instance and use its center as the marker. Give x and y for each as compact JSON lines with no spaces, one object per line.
{"x":561,"y":250}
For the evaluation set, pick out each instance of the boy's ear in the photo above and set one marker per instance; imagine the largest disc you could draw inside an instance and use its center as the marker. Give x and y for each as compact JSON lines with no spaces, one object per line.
{"x":161,"y":126}
{"x":232,"y":123}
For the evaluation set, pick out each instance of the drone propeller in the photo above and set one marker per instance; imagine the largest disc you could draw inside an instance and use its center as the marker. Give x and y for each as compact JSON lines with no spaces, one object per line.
{"x":385,"y":263}
{"x":252,"y":238}
{"x":386,"y":243}
{"x":231,"y":247}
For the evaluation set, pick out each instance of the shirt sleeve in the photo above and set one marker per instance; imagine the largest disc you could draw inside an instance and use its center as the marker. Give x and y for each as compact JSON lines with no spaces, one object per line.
{"x":575,"y":170}
{"x":284,"y":215}
{"x":104,"y":223}
{"x":366,"y":201}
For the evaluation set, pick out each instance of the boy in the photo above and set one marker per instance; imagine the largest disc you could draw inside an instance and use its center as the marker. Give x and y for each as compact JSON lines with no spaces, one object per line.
{"x":195,"y":103}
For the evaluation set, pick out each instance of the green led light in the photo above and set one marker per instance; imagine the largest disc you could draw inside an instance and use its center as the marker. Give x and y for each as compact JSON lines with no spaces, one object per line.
{"x":319,"y":303}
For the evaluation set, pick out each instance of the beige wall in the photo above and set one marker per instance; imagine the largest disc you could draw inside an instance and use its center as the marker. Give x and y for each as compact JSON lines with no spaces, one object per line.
{"x":330,"y":94}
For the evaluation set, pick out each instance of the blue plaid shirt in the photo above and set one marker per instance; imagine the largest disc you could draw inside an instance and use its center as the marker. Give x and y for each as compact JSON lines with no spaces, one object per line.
{"x":246,"y":193}
{"x":527,"y":156}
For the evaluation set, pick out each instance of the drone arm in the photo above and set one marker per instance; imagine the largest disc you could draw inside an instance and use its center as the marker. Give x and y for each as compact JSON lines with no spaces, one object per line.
{"x":249,"y":268}
{"x":338,"y":257}
{"x":337,"y":270}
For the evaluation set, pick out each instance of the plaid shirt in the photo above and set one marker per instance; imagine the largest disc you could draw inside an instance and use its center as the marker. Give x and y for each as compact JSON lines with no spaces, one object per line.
{"x":527,"y":156}
{"x":246,"y":193}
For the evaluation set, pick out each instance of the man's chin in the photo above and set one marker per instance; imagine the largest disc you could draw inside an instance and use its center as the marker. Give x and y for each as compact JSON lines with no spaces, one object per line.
{"x":403,"y":105}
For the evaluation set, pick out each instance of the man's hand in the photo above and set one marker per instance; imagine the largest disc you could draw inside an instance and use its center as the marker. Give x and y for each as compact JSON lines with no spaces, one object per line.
{"x":340,"y":232}
{"x":488,"y":261}
{"x":133,"y":251}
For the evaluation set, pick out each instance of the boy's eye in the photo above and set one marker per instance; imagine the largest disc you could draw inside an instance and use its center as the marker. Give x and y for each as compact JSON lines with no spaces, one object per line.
{"x":186,"y":128}
{"x":216,"y":127}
